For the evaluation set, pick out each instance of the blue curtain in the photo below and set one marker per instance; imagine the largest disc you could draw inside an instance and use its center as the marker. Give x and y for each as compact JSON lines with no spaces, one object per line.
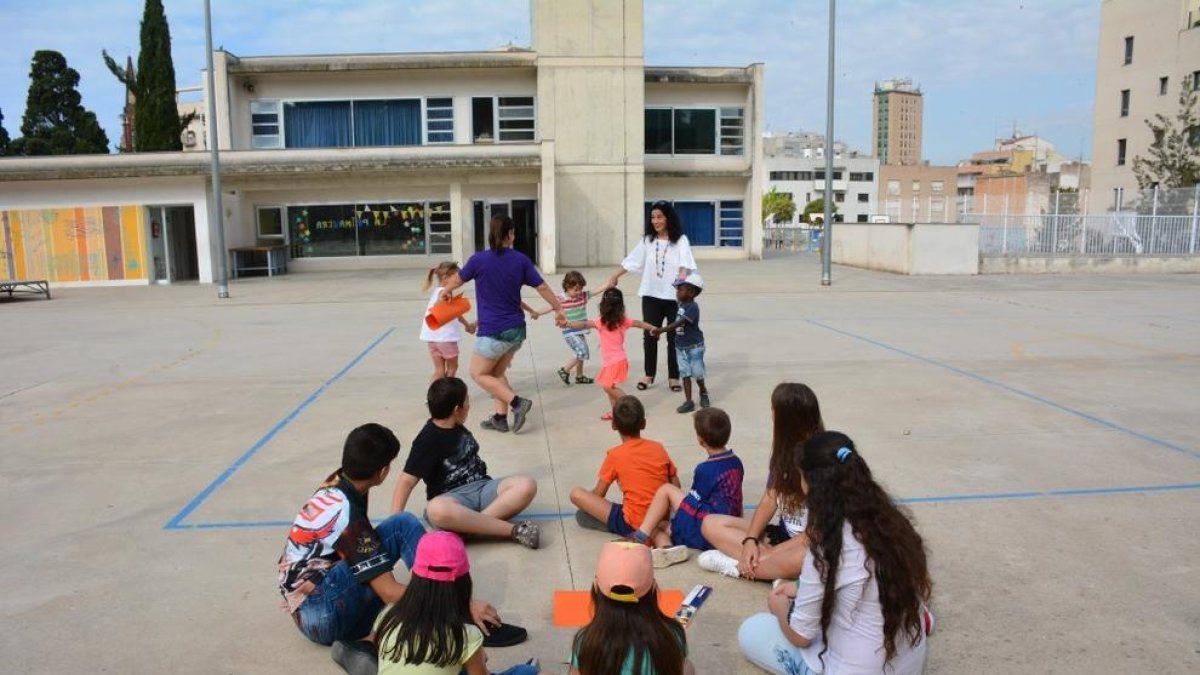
{"x":317,"y":124}
{"x":699,"y":222}
{"x":396,"y":122}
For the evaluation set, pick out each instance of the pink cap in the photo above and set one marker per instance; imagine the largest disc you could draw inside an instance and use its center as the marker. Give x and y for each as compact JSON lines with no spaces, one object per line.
{"x":441,"y":556}
{"x":624,"y":572}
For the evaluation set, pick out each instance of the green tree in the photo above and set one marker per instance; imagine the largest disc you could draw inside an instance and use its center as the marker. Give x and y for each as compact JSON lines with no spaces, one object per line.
{"x":3,"y":136}
{"x":156,"y":121}
{"x":55,"y":121}
{"x":814,"y":211}
{"x":1173,"y":159}
{"x":780,"y":205}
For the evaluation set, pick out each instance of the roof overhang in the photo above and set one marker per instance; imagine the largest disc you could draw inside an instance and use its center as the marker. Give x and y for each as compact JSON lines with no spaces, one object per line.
{"x":700,"y":75}
{"x":241,"y":65}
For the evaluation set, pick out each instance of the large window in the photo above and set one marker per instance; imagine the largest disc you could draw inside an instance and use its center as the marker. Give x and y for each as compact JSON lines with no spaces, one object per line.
{"x":695,"y":131}
{"x":711,"y":223}
{"x":507,"y":119}
{"x":356,"y":123}
{"x":384,"y":228}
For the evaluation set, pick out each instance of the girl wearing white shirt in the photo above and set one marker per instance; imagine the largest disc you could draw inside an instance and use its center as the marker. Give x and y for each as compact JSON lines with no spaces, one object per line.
{"x":859,"y":606}
{"x":442,"y":342}
{"x":661,"y":256}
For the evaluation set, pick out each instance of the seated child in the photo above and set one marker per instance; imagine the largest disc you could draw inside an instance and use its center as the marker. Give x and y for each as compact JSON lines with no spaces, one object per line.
{"x":716,"y":488}
{"x":637,"y":465}
{"x":461,"y":496}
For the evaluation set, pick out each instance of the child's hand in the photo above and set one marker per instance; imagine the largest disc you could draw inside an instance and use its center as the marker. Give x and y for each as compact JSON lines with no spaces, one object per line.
{"x":533,"y":314}
{"x":484,"y":615}
{"x":656,"y":332}
{"x":472,"y":327}
{"x":779,"y":602}
{"x":748,"y":560}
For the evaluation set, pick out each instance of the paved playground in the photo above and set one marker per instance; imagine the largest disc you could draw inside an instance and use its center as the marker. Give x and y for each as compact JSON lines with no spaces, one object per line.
{"x":1044,"y":431}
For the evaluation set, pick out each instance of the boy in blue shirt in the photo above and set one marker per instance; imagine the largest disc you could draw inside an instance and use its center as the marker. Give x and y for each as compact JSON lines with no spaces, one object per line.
{"x":689,"y":340}
{"x":716,"y":488}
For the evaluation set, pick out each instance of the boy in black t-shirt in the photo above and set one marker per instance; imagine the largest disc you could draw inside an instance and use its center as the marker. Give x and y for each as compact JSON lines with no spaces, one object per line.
{"x":461,"y":496}
{"x":689,"y":340}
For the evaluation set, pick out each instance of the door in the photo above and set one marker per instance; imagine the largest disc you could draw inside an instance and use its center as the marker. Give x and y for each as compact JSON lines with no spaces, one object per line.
{"x":524,"y":215}
{"x":180,"y":228}
{"x":159,"y":272}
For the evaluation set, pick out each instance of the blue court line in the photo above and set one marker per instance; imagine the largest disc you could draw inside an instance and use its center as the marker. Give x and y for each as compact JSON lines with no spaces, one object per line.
{"x":1013,"y":390}
{"x":980,"y":497}
{"x":177,"y":521}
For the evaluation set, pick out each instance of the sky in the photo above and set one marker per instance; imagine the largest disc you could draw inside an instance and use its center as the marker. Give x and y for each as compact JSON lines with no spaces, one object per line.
{"x":985,"y":66}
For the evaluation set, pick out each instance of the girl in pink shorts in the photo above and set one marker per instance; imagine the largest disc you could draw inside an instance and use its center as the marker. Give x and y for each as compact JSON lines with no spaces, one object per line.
{"x":443,"y":342}
{"x":610,"y":328}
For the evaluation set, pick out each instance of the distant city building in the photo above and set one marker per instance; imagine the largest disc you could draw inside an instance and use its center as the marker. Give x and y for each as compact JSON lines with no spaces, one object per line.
{"x":803,"y":177}
{"x":1148,"y":49}
{"x":806,"y":144}
{"x":1018,"y":176}
{"x":897,"y":114}
{"x":918,"y":194}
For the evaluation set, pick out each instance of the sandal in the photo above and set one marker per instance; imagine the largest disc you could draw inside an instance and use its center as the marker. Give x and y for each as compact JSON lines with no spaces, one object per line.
{"x":675,"y":386}
{"x":645,"y":383}
{"x":606,"y":417}
{"x":583,"y":379}
{"x":564,"y":376}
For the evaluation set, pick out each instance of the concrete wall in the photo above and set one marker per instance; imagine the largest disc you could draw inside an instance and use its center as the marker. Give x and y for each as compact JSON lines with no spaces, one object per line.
{"x":1090,"y":265}
{"x":906,"y":248}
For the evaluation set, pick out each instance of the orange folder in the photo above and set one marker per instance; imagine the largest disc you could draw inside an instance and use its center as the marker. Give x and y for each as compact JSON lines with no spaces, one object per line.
{"x":573,"y":609}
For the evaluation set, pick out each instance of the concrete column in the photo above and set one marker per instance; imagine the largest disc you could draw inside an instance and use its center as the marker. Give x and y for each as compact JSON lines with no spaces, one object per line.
{"x":547,"y":209}
{"x":752,"y":225}
{"x":457,"y":218}
{"x":224,"y":116}
{"x":205,"y":264}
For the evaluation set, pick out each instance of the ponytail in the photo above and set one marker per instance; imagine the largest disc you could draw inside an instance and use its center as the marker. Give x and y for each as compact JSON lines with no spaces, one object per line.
{"x":428,"y":280}
{"x":441,"y":270}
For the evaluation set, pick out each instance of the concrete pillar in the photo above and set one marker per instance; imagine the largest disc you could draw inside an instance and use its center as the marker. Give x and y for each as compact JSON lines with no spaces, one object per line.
{"x":752,"y":225}
{"x":205,"y":263}
{"x":457,"y":218}
{"x":547,"y":209}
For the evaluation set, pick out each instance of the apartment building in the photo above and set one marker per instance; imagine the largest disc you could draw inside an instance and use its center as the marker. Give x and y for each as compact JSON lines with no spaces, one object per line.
{"x":854,"y":183}
{"x":897,"y":113}
{"x":354,"y":161}
{"x":918,"y":194}
{"x":1019,"y":175}
{"x":1148,"y":50}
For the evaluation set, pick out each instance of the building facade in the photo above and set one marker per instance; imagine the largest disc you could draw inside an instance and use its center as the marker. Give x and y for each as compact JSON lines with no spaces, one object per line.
{"x":390,"y":160}
{"x":918,"y":194}
{"x":854,"y":184}
{"x":897,"y":112}
{"x":1148,"y":50}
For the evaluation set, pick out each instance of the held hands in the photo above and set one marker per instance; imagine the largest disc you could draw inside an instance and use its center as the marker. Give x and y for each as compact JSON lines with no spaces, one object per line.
{"x":472,"y":326}
{"x":483,"y":614}
{"x":560,"y":319}
{"x":534,"y":314}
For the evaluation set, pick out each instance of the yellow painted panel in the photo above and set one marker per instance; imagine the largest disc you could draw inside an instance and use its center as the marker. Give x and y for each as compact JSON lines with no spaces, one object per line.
{"x":97,"y":262}
{"x":18,"y":243}
{"x":35,"y":245}
{"x":133,"y":241}
{"x":64,"y":255}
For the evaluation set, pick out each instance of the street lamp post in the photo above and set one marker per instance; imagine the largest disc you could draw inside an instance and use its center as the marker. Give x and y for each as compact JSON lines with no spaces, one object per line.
{"x":827,"y":234}
{"x":216,"y":215}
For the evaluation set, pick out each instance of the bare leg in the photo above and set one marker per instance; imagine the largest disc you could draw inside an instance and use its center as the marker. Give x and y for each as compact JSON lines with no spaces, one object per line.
{"x":666,"y":499}
{"x":489,"y":374}
{"x":783,"y":561}
{"x":439,"y":367}
{"x":578,"y":368}
{"x":725,"y":533}
{"x":687,"y":388}
{"x":513,"y":496}
{"x":591,"y":503}
{"x":452,"y":367}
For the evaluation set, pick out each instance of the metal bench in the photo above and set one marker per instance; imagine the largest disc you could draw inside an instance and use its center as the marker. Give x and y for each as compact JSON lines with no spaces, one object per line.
{"x":11,"y":286}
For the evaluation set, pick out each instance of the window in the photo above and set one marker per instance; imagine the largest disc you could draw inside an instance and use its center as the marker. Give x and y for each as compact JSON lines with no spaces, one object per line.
{"x":892,"y":209}
{"x":862,"y":218}
{"x":270,"y":223}
{"x":732,"y":125}
{"x":839,"y":197}
{"x":806,"y":175}
{"x":1196,"y":80}
{"x":916,"y":209}
{"x":856,"y":176}
{"x":711,"y":223}
{"x":1162,"y":86}
{"x":916,"y":186}
{"x":384,"y":123}
{"x":344,"y":124}
{"x":730,"y":232}
{"x":439,"y":120}
{"x":388,"y":228}
{"x":937,"y":186}
{"x":317,"y":124}
{"x":1120,"y":152}
{"x":483,"y":120}
{"x":1124,"y":103}
{"x":503,"y":119}
{"x":439,"y":228}
{"x":264,"y":125}
{"x":864,"y":198}
{"x":1129,"y":50}
{"x":788,"y":175}
{"x":893,"y":187}
{"x":695,"y":131}
{"x":869,"y":176}
{"x":658,"y":134}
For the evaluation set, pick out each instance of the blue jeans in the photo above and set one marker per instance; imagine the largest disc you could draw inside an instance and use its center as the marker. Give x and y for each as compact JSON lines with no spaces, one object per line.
{"x":764,"y":644}
{"x":343,"y":609}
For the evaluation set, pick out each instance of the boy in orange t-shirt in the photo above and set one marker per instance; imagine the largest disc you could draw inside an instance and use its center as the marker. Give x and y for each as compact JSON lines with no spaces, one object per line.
{"x":637,"y":465}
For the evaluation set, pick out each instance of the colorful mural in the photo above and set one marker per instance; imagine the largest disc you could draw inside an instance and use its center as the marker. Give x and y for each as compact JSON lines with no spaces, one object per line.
{"x":99,"y":243}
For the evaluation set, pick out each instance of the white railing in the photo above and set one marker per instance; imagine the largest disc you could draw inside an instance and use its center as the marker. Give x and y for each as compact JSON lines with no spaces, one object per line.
{"x":1124,"y":233}
{"x":791,"y":238}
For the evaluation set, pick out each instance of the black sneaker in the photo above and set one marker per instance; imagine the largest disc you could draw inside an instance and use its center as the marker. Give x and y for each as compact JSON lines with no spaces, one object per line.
{"x":519,"y":410}
{"x":495,"y":423}
{"x":687,"y":407}
{"x":704,"y":403}
{"x":356,"y":658}
{"x":590,"y":522}
{"x":505,"y":635}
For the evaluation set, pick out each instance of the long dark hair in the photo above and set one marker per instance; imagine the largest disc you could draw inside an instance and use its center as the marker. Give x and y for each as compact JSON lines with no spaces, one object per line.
{"x":498,"y":231}
{"x":636,"y":630}
{"x":430,"y":622}
{"x":674,"y":224}
{"x":612,"y":308}
{"x":797,"y":418}
{"x":841,"y":489}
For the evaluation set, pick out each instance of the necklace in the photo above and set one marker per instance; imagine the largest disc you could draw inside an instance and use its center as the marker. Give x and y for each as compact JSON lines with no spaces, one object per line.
{"x":660,"y":259}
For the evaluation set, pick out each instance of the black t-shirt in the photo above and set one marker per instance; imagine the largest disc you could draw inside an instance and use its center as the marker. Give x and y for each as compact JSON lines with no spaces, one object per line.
{"x":445,"y":459}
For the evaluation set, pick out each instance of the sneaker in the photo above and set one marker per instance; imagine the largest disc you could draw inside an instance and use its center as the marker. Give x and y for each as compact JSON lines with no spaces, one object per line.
{"x":356,"y":657}
{"x":584,"y":379}
{"x":665,"y":557}
{"x":704,"y":403}
{"x":519,"y":410}
{"x":564,"y":376}
{"x":715,"y":561}
{"x":590,"y":522}
{"x":527,"y":534}
{"x":687,"y":407}
{"x":505,"y":635}
{"x":495,"y":423}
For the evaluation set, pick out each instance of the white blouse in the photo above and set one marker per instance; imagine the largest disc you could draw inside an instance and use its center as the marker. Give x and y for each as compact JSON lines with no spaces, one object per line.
{"x":658,"y":261}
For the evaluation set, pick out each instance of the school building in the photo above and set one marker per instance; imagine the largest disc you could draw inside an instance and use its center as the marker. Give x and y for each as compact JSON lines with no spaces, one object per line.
{"x":393,"y":160}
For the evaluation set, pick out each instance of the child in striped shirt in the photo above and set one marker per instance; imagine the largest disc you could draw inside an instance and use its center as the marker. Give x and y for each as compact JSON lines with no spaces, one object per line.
{"x":574,"y":299}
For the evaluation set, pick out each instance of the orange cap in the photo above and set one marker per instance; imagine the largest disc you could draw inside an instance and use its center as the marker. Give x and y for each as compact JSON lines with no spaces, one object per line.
{"x":624,"y":572}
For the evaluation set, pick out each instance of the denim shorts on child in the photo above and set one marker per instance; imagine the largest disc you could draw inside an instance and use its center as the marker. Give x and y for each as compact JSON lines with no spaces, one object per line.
{"x":578,"y":344}
{"x":691,"y":361}
{"x":494,"y":346}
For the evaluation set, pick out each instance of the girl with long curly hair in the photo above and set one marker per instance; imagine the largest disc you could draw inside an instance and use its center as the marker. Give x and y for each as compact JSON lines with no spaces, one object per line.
{"x":860,"y":605}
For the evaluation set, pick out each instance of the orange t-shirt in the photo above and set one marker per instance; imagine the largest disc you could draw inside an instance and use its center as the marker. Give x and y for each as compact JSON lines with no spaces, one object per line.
{"x":640,"y":467}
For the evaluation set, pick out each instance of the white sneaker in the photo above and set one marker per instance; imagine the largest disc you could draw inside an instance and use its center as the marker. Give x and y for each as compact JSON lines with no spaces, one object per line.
{"x":665,"y":557}
{"x":715,"y":561}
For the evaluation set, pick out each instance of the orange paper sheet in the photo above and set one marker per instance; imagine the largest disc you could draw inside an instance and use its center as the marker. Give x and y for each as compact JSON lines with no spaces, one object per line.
{"x":573,"y":609}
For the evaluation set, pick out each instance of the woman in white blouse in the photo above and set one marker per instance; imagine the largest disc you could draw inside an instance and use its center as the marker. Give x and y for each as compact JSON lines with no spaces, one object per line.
{"x":859,"y":607}
{"x":661,"y":256}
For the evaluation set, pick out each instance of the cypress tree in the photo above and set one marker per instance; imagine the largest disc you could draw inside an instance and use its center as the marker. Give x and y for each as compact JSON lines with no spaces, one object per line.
{"x":156,"y":116}
{"x":55,"y":121}
{"x":3,"y":136}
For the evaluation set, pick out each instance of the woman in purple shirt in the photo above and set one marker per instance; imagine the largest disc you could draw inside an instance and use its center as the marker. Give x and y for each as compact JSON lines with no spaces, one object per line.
{"x":499,"y":274}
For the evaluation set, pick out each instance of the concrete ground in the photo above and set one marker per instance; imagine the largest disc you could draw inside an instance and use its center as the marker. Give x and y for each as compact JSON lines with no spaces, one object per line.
{"x":1043,"y":430}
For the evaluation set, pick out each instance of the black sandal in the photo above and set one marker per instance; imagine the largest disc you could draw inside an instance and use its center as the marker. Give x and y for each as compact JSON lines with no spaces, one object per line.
{"x":675,"y":386}
{"x":643,"y":385}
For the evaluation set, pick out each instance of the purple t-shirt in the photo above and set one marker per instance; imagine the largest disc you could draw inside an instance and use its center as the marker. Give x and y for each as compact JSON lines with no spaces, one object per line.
{"x":498,"y":279}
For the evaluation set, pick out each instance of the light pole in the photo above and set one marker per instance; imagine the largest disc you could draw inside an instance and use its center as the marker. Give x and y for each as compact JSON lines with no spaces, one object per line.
{"x":216,"y":215}
{"x":827,"y":234}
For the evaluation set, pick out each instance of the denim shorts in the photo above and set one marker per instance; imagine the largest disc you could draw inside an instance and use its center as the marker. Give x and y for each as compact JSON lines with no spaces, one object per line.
{"x":578,"y":344}
{"x":494,"y":346}
{"x":691,"y":361}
